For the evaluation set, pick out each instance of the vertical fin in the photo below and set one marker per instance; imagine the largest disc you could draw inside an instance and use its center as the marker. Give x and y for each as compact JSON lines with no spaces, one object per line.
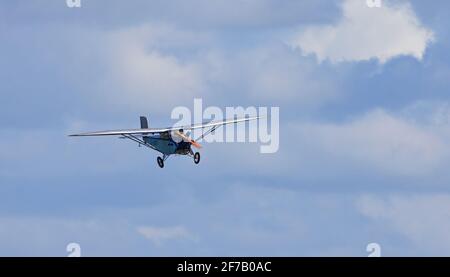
{"x":144,"y":122}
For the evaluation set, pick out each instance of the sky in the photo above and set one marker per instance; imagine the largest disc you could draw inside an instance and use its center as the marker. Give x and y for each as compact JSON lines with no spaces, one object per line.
{"x":364,"y":127}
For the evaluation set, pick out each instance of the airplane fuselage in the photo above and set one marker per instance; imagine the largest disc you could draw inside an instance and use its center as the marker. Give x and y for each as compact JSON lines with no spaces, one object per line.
{"x":167,"y":146}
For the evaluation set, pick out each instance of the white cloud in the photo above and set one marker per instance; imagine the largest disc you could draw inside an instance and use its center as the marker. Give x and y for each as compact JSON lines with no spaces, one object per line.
{"x":381,"y":140}
{"x":366,"y":33}
{"x":141,"y":76}
{"x":154,"y":67}
{"x":432,"y":113}
{"x":160,"y":234}
{"x":411,"y":142}
{"x":268,"y":73}
{"x":423,"y":219}
{"x":277,"y":74}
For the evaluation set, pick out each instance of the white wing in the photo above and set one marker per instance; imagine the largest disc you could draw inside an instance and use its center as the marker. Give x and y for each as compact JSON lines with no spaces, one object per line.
{"x":162,"y":130}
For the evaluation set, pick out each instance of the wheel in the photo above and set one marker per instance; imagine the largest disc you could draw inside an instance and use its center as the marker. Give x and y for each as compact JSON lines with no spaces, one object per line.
{"x":160,"y":162}
{"x":196,"y":157}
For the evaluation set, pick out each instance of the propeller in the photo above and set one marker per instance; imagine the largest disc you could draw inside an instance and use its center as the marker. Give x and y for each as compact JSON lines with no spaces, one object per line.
{"x":186,"y":138}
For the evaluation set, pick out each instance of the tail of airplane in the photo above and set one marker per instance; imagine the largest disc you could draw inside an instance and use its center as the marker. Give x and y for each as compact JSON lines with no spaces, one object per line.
{"x":144,"y":122}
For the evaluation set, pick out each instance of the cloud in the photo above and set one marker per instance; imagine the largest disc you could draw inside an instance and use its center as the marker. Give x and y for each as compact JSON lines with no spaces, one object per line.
{"x":269,"y":73}
{"x":409,"y":142}
{"x":158,"y":235}
{"x":390,"y":143}
{"x":423,"y":219}
{"x":276,"y":74}
{"x":155,"y":67}
{"x":141,"y":76}
{"x":365,"y":33}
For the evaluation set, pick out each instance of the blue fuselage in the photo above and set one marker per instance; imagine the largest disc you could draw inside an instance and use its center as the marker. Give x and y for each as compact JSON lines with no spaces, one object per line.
{"x":166,"y":145}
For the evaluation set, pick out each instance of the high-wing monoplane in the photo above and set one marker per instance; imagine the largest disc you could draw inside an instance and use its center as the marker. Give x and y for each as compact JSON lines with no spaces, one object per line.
{"x":168,"y":141}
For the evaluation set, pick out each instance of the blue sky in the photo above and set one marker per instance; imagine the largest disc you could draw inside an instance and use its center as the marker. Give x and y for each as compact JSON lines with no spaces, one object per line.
{"x":364,"y":127}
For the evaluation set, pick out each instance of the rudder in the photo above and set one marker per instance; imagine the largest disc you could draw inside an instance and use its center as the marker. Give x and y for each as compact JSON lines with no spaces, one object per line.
{"x":144,"y":122}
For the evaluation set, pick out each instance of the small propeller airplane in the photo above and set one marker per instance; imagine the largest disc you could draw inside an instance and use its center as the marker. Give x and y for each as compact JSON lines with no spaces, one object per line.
{"x":168,"y":141}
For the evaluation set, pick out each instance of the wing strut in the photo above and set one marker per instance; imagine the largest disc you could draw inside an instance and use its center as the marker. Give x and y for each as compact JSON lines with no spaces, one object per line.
{"x":140,"y":141}
{"x":207,"y":132}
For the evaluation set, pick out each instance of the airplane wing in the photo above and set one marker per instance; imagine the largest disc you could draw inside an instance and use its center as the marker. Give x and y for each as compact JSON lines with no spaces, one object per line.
{"x":147,"y":131}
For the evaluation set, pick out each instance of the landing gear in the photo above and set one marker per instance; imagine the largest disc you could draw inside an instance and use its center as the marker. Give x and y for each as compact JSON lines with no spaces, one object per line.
{"x":196,"y":157}
{"x":160,"y":162}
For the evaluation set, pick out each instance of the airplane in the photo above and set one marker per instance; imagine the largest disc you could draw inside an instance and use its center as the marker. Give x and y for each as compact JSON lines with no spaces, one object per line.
{"x":167,"y":141}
